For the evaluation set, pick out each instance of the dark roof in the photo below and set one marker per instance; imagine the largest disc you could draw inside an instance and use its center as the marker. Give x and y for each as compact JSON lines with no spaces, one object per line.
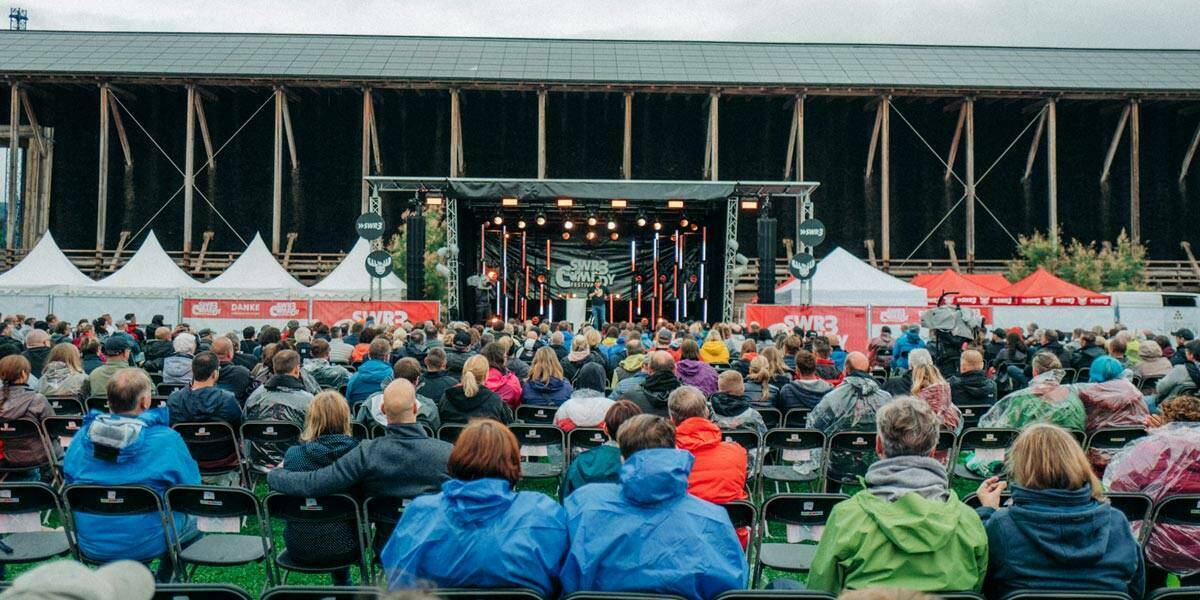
{"x":287,"y":56}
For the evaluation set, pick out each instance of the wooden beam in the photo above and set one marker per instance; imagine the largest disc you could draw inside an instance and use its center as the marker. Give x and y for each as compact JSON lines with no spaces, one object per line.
{"x":874,"y":140}
{"x":885,"y":177}
{"x":1052,"y":166}
{"x":202,"y":120}
{"x":1135,"y":172}
{"x":14,"y":146}
{"x":119,"y":123}
{"x":714,"y":132}
{"x":189,"y":169}
{"x":800,"y":101}
{"x":33,"y":123}
{"x":541,"y":134}
{"x":962,"y":114}
{"x":102,"y":182}
{"x":366,"y":148}
{"x":969,"y":105}
{"x":375,"y":152}
{"x":627,"y":142}
{"x":291,"y":134}
{"x":1112,"y":145}
{"x":456,"y":158}
{"x":791,"y":146}
{"x":1190,"y":154}
{"x":1033,"y":146}
{"x":277,"y":174}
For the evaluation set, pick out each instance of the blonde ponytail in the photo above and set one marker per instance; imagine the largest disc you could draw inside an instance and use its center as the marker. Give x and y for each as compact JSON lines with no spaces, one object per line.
{"x":473,"y":374}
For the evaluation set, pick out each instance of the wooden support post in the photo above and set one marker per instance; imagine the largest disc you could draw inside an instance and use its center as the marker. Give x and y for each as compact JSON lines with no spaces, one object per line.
{"x":714,"y":132}
{"x":33,"y":123}
{"x":885,"y":177}
{"x":202,"y":121}
{"x":969,"y":105}
{"x":1052,"y":166}
{"x":291,"y":136}
{"x":189,"y":169}
{"x":119,"y":125}
{"x":366,"y":147}
{"x":874,"y":140}
{"x":1033,"y":146}
{"x":1190,"y":154}
{"x":204,"y":240}
{"x":541,"y":134}
{"x":456,"y":158}
{"x":1135,"y":172}
{"x":378,"y":156}
{"x":14,"y":147}
{"x":627,"y":142}
{"x":1112,"y":144}
{"x":277,"y":174}
{"x":958,"y":128}
{"x":102,"y":183}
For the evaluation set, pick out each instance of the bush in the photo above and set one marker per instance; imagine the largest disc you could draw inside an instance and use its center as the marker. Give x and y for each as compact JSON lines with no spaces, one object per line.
{"x":1106,"y":268}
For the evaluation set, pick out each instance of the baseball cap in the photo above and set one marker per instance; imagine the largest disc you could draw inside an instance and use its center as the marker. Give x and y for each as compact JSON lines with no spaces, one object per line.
{"x":121,"y":580}
{"x":462,"y":339}
{"x":663,"y":336}
{"x":115,"y":344}
{"x":1184,"y":333}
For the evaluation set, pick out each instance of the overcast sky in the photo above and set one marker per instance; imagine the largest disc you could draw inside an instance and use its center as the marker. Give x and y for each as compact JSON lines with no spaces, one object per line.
{"x":1096,"y":23}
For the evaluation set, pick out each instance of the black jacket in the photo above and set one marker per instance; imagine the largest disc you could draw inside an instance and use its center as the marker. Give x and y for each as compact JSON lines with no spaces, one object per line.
{"x":245,"y":360}
{"x":1082,"y":359}
{"x":571,"y":368}
{"x":405,"y":463}
{"x":9,"y":346}
{"x":204,"y":405}
{"x":801,"y":393}
{"x":155,"y":352}
{"x":435,"y":383}
{"x":972,"y":388}
{"x":37,"y":359}
{"x":899,"y":386}
{"x":651,"y":395}
{"x":455,"y":407}
{"x":237,"y":380}
{"x":560,"y":351}
{"x":455,"y":359}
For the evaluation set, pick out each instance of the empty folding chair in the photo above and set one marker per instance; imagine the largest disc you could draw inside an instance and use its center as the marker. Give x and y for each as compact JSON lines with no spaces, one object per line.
{"x":266,"y":443}
{"x":582,"y":439}
{"x":796,"y":418}
{"x":67,"y":405}
{"x":751,"y":441}
{"x":382,"y":514}
{"x":771,"y":417}
{"x":214,"y":447}
{"x":199,"y":591}
{"x":981,"y":453}
{"x":308,"y":592}
{"x":220,"y":513}
{"x":803,"y":517}
{"x":100,"y":501}
{"x":99,"y":403}
{"x":536,"y":415}
{"x":360,"y":431}
{"x":332,"y":522}
{"x":1137,"y":508}
{"x":791,"y":456}
{"x":449,"y":433}
{"x":848,"y":454}
{"x":542,"y":450}
{"x":23,"y":505}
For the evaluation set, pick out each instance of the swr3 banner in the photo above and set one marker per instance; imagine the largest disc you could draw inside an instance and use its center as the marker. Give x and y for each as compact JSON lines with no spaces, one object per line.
{"x":385,"y":313}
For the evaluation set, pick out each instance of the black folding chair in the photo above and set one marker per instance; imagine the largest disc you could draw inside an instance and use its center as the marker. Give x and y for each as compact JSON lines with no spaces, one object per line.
{"x":796,"y":418}
{"x":214,"y":447}
{"x":165,"y":389}
{"x":310,"y":592}
{"x":1061,"y":595}
{"x":582,"y":439}
{"x":220,"y":512}
{"x":1083,"y":375}
{"x":743,"y":515}
{"x":972,"y":499}
{"x":199,"y":591}
{"x":536,"y":415}
{"x":114,"y":501}
{"x":23,"y":505}
{"x":25,"y":432}
{"x":1149,"y":385}
{"x":958,"y":596}
{"x":449,"y":433}
{"x":484,"y":594}
{"x":60,"y":431}
{"x":848,"y":454}
{"x":1179,"y":511}
{"x":791,"y":456}
{"x":543,"y":449}
{"x":751,"y":441}
{"x":1179,"y":593}
{"x":1137,"y":508}
{"x":971,"y":413}
{"x":381,"y":514}
{"x":65,"y":405}
{"x":316,"y":514}
{"x":777,"y":595}
{"x":614,"y":596}
{"x":771,"y":417}
{"x":944,"y":450}
{"x":360,"y":431}
{"x":993,"y":442}
{"x":795,"y":512}
{"x":266,"y":443}
{"x":99,"y":403}
{"x":1111,"y":439}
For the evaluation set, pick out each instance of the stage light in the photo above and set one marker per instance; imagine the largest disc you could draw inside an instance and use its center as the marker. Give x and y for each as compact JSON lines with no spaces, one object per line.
{"x":695,"y":227}
{"x":520,"y":223}
{"x":641,"y":220}
{"x":614,"y":236}
{"x":611,"y":225}
{"x":566,"y":235}
{"x":683,"y":221}
{"x":498,"y":219}
{"x":433,"y":200}
{"x":592,"y":220}
{"x":674,"y":203}
{"x":619,"y":203}
{"x":591,"y":235}
{"x":568,"y":224}
{"x":510,"y":202}
{"x":749,"y":203}
{"x":541,"y":218}
{"x":657,"y":225}
{"x":491,"y":274}
{"x":565,"y":203}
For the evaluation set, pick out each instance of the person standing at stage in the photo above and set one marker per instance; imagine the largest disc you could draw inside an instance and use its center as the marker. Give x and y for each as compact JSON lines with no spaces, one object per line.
{"x":598,"y":296}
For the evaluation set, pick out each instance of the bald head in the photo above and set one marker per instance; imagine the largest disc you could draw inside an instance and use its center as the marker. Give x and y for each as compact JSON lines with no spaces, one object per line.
{"x":37,"y":339}
{"x":400,"y":402}
{"x":223,"y":348}
{"x":857,"y":361}
{"x":661,"y":362}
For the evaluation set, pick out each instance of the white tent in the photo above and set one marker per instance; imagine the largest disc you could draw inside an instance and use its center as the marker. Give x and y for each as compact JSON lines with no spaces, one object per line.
{"x":149,"y":284}
{"x":844,"y":280}
{"x":27,"y":287}
{"x":350,"y":280}
{"x":255,"y":274}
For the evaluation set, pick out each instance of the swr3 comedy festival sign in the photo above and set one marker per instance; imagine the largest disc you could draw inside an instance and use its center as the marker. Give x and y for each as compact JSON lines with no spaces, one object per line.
{"x":849,"y":323}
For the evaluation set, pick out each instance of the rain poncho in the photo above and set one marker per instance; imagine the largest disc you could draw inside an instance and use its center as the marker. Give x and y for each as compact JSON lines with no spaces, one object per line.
{"x":1164,"y":463}
{"x":1113,"y":403}
{"x":1044,"y":401}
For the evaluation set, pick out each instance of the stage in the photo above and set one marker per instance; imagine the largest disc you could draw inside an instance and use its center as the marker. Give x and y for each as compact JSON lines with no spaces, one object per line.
{"x":530,"y":249}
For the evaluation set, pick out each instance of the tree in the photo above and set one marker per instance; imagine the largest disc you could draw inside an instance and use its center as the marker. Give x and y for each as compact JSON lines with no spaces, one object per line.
{"x":435,"y":237}
{"x":1106,"y":268}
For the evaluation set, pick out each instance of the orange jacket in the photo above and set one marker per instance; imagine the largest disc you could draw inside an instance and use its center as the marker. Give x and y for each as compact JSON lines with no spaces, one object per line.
{"x":719,"y":473}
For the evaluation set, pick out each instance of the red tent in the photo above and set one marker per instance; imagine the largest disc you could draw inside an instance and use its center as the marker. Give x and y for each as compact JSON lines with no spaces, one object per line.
{"x":965,"y":290}
{"x":993,"y":281}
{"x":1042,"y":288}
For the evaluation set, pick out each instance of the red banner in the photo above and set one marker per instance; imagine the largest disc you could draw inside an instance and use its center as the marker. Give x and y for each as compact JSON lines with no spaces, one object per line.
{"x":1031,"y":300}
{"x":849,"y":323}
{"x":386,"y":313}
{"x":245,"y":309}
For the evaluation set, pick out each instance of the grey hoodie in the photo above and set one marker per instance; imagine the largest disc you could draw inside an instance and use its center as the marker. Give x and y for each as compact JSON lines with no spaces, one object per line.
{"x":59,"y":380}
{"x":891,"y":478}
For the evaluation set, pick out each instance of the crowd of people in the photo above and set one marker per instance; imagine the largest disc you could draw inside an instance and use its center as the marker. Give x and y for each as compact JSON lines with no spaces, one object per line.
{"x":643,"y":511}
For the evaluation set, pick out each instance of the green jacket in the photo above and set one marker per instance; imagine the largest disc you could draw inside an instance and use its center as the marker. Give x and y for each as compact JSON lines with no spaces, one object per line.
{"x":912,"y":543}
{"x":601,"y":464}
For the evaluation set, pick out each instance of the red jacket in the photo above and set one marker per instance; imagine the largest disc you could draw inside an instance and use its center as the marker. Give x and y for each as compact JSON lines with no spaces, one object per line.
{"x":505,"y":385}
{"x":719,"y":473}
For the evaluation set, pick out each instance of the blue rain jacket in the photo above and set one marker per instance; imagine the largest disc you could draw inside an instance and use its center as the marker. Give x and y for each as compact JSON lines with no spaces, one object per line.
{"x":156,"y":458}
{"x":647,"y":534}
{"x":911,"y":340}
{"x":478,"y":534}
{"x":367,"y":380}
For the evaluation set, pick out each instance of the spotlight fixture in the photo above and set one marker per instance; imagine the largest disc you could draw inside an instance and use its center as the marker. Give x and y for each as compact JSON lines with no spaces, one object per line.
{"x":641,"y":220}
{"x":432,"y":199}
{"x":520,"y":223}
{"x":674,"y":203}
{"x":657,"y":225}
{"x":568,"y":224}
{"x":499,"y":220}
{"x":695,"y":227}
{"x":566,"y":235}
{"x":591,"y":235}
{"x":612,"y":224}
{"x":614,"y":236}
{"x":749,"y":203}
{"x":619,"y":203}
{"x":591,"y":219}
{"x":565,"y":203}
{"x":510,"y":202}
{"x":541,"y":218}
{"x":683,"y":221}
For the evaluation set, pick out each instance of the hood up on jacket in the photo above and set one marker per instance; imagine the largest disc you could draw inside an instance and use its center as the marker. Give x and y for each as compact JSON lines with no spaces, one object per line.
{"x":1065,"y":525}
{"x":656,"y":475}
{"x":478,"y":501}
{"x":658,"y":386}
{"x":729,"y":405}
{"x":326,"y":449}
{"x":118,"y":438}
{"x":633,"y":363}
